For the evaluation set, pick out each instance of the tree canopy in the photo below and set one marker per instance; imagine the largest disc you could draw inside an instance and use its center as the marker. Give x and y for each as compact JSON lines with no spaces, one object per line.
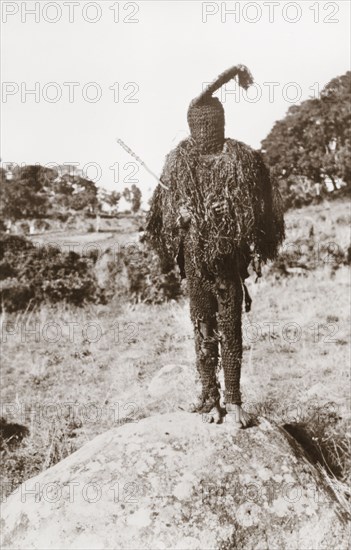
{"x":312,"y":143}
{"x":35,"y":191}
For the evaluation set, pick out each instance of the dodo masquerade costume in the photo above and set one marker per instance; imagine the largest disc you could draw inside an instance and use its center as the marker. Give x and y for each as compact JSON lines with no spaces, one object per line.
{"x":221,"y":210}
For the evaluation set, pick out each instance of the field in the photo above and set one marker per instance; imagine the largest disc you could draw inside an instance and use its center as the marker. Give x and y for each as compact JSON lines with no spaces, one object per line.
{"x":69,"y":374}
{"x":113,"y":233}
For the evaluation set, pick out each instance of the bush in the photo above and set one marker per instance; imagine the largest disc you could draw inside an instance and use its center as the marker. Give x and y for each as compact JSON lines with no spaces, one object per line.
{"x":61,"y":216}
{"x":42,"y":225}
{"x":134,"y":272}
{"x":24,"y":228}
{"x":146,"y":281}
{"x":30,"y":274}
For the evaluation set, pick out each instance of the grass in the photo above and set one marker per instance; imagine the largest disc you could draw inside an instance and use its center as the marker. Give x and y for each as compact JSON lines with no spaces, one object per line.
{"x":83,"y":371}
{"x":67,"y":391}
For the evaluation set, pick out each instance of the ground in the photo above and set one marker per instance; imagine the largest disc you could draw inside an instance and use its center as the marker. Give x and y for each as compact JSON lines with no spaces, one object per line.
{"x":70,"y":374}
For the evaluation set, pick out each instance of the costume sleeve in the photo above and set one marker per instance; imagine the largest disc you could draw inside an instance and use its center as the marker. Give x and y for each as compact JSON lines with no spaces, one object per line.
{"x":154,"y":234}
{"x":161,"y":227}
{"x":270,"y":232}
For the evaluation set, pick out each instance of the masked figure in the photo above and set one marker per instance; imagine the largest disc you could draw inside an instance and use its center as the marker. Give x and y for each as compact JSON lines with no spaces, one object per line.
{"x":221,"y":211}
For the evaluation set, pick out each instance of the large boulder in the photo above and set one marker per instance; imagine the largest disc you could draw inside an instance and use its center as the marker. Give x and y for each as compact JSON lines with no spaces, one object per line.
{"x":174,"y":482}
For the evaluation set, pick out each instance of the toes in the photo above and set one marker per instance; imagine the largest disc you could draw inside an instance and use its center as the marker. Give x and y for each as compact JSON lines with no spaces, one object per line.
{"x":245,"y":420}
{"x":237,"y":417}
{"x":233,"y":421}
{"x":233,"y":417}
{"x":214,"y":416}
{"x":239,"y":421}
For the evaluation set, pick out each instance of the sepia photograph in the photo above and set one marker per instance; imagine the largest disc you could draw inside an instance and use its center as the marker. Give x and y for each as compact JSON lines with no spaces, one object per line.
{"x":175,"y":252}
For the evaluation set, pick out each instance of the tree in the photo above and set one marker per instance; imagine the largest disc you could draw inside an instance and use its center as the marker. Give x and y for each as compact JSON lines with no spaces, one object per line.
{"x":113,"y":199}
{"x":136,"y":198}
{"x":313,"y":142}
{"x":25,"y":193}
{"x":84,"y":195}
{"x":63,"y":191}
{"x":336,"y":100}
{"x":36,"y":191}
{"x":127,"y":194}
{"x":133,"y":195}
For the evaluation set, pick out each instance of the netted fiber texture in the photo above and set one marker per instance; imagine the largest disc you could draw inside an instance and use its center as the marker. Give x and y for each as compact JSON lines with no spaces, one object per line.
{"x":230,"y":296}
{"x":236,"y":175}
{"x":215,"y":311}
{"x":206,"y":123}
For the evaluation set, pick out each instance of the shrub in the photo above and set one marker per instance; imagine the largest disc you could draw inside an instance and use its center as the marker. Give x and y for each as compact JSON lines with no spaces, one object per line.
{"x":24,"y":228}
{"x":42,"y":225}
{"x":146,"y":281}
{"x":61,"y":216}
{"x":134,"y":272}
{"x":36,"y":275}
{"x":31,"y":275}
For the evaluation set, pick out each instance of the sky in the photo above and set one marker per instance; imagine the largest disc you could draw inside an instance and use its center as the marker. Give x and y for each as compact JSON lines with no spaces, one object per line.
{"x":106,"y":70}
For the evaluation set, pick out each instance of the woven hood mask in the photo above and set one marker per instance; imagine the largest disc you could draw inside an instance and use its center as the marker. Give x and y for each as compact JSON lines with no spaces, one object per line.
{"x":206,"y":114}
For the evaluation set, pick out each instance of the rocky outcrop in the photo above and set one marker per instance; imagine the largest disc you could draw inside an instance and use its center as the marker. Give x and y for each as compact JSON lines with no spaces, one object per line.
{"x":174,"y":482}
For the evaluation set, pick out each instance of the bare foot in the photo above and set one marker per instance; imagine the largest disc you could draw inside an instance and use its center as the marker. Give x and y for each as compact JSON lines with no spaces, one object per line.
{"x":210,"y":409}
{"x":215,"y":415}
{"x":236,"y":416}
{"x":197,"y":404}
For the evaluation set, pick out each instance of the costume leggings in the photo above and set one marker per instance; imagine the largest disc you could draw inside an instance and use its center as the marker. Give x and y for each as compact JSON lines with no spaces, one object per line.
{"x":215,"y":310}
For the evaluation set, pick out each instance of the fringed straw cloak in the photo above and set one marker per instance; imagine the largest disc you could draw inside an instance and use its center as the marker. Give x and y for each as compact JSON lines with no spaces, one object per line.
{"x":236,"y":175}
